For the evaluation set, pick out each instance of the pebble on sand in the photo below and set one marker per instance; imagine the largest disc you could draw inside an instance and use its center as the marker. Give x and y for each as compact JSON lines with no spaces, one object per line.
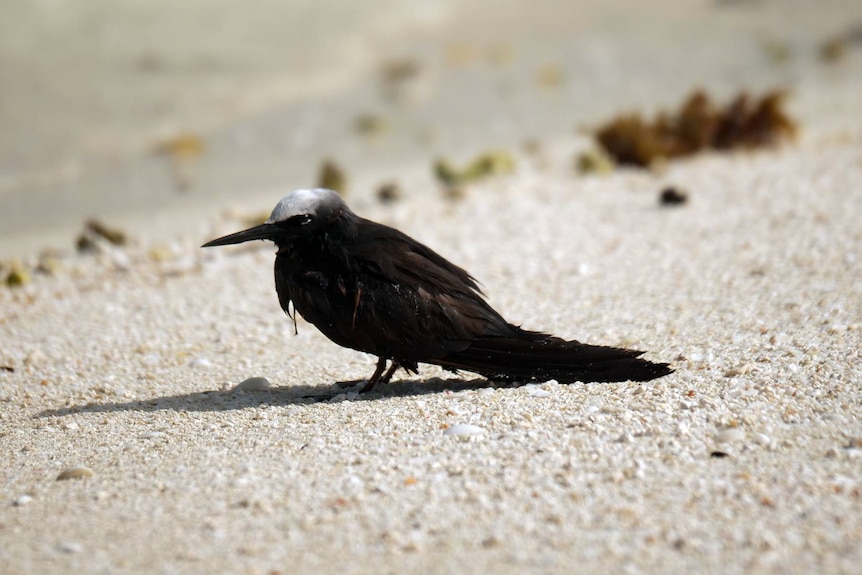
{"x":729,"y":435}
{"x":75,"y":473}
{"x":70,"y":547}
{"x":22,"y":500}
{"x":200,"y":362}
{"x":464,"y":429}
{"x":536,"y":391}
{"x":253,"y":384}
{"x":762,"y":439}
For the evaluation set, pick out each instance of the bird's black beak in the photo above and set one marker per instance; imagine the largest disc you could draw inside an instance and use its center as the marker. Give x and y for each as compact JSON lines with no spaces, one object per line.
{"x":261,"y":232}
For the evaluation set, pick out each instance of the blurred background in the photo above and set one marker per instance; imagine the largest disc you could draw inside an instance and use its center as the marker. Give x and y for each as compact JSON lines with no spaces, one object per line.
{"x":153,"y":112}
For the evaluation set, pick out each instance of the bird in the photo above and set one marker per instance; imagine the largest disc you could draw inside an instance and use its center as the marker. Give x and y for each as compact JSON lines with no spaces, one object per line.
{"x":374,"y":289}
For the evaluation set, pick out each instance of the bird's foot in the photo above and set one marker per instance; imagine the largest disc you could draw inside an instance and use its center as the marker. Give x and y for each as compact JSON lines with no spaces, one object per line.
{"x":378,"y":376}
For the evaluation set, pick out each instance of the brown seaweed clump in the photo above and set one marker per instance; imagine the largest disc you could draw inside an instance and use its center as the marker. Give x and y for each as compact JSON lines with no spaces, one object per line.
{"x":14,"y":274}
{"x":94,"y":231}
{"x":332,"y":176}
{"x":835,"y":48}
{"x":492,"y":163}
{"x":181,"y":147}
{"x":699,"y":125}
{"x":181,"y":151}
{"x":389,"y":193}
{"x":369,"y":125}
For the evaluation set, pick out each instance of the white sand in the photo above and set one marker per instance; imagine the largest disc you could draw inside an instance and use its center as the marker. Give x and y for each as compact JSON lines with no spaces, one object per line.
{"x":124,"y":364}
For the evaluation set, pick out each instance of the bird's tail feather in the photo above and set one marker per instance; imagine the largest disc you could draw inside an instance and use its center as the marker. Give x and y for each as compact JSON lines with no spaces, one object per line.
{"x":532,"y":356}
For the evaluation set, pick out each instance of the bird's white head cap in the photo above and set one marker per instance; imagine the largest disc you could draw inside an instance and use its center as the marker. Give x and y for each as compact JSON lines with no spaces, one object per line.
{"x":316,"y":202}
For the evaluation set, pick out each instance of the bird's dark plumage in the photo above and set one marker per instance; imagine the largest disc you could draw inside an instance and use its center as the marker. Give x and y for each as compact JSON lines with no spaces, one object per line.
{"x":369,"y":287}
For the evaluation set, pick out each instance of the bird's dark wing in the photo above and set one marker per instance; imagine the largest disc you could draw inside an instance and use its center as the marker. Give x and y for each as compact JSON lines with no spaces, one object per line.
{"x":448,"y":307}
{"x":445,"y":294}
{"x":387,"y":294}
{"x":399,"y":258}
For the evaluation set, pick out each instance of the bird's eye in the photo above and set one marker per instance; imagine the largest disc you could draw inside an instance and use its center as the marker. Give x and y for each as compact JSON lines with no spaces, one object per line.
{"x":300,"y":220}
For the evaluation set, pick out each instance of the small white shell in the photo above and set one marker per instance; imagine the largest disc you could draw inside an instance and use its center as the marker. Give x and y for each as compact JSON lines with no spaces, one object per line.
{"x":253,"y":384}
{"x":464,"y":429}
{"x":729,"y":435}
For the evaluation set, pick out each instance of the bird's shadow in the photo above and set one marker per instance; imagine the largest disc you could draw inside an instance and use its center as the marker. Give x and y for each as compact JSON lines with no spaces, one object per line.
{"x":228,"y":400}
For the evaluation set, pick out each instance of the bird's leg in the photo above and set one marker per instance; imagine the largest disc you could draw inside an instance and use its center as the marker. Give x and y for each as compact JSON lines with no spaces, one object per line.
{"x":392,"y":369}
{"x":375,"y":377}
{"x":366,"y":383}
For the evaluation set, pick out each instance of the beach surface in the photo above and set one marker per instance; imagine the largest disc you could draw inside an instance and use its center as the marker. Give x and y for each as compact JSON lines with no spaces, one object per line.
{"x":131,"y":445}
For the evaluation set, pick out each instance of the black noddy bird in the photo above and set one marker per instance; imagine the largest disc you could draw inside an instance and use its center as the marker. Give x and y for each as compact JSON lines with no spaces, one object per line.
{"x":374,"y":289}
